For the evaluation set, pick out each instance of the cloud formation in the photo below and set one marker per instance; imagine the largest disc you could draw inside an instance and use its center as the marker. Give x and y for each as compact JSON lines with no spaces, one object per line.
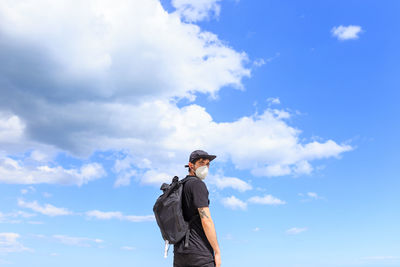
{"x":346,"y":32}
{"x":110,"y":79}
{"x":14,"y":217}
{"x":266,"y":200}
{"x":14,"y":171}
{"x":45,"y":209}
{"x":9,"y":243}
{"x":222,"y":182}
{"x":295,"y":230}
{"x":101,"y":215}
{"x":196,"y":10}
{"x":234,"y":203}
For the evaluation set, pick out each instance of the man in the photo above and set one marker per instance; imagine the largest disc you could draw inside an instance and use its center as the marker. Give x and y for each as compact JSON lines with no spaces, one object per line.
{"x":203,"y":249}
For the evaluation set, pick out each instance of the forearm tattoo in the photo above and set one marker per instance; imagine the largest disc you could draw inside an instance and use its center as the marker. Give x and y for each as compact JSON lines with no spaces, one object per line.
{"x":203,"y":213}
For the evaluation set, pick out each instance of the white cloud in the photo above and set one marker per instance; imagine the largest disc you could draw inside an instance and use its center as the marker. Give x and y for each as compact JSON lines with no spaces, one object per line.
{"x":110,"y":79}
{"x":125,"y":50}
{"x":15,"y":217}
{"x":118,"y":215}
{"x":77,"y":241}
{"x":295,"y":230}
{"x":270,"y":148}
{"x":259,"y":62}
{"x":266,"y":200}
{"x":47,"y":195}
{"x":196,"y":10}
{"x":11,"y":128}
{"x":40,"y":156}
{"x":257,"y":229}
{"x":158,"y":177}
{"x":346,"y":32}
{"x":29,"y":189}
{"x":128,"y":248}
{"x":15,"y":172}
{"x":35,"y":222}
{"x":273,"y":100}
{"x":223,"y":182}
{"x":312,"y":195}
{"x":124,"y":178}
{"x":45,"y":209}
{"x":9,"y":243}
{"x":234,"y":203}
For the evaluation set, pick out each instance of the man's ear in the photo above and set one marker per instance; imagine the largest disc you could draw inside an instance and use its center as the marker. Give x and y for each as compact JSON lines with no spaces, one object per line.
{"x":191,"y":165}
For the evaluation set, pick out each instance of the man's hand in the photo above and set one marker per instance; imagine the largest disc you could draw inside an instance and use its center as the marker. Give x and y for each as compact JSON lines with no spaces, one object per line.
{"x":217,"y":259}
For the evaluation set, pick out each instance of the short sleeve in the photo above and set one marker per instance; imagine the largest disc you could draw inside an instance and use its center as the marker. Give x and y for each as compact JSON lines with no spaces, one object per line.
{"x":200,"y":194}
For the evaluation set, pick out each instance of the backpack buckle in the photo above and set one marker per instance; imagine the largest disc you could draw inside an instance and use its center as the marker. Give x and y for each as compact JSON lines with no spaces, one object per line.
{"x":164,"y":187}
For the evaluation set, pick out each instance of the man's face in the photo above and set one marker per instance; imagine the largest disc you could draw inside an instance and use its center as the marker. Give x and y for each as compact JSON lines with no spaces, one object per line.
{"x":199,"y":163}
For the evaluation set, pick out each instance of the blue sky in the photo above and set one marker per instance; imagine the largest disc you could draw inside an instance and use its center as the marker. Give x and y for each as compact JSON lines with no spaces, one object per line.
{"x":103,"y":101}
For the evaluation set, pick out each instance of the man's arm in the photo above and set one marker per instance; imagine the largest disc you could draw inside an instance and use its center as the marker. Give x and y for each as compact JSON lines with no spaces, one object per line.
{"x":209,"y":230}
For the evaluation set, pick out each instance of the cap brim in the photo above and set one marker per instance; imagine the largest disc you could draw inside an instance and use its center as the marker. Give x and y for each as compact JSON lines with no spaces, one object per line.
{"x":210,"y":157}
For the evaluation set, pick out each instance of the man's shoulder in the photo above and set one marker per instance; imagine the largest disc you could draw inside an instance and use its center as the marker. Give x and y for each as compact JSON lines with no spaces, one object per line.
{"x":194,"y":181}
{"x":194,"y":184}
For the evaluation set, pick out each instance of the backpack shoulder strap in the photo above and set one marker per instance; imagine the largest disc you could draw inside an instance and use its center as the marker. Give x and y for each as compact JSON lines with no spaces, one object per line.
{"x":184,"y":180}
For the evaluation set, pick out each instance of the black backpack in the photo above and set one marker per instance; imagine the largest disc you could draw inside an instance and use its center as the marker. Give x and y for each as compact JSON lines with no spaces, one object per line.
{"x":169,"y":214}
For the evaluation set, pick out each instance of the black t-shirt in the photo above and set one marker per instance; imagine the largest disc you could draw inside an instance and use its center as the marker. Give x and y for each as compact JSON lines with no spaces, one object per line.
{"x":194,"y":196}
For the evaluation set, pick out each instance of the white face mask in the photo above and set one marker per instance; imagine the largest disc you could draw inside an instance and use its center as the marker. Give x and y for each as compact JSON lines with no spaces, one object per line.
{"x":202,"y":172}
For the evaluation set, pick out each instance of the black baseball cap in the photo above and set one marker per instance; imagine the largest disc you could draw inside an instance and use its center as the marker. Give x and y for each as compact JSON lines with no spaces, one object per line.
{"x":197,"y":154}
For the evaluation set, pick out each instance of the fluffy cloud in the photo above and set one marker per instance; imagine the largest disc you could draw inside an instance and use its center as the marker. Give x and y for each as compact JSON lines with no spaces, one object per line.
{"x":110,"y":79}
{"x":50,"y":210}
{"x":16,"y":172}
{"x":346,"y":32}
{"x":128,"y":248}
{"x":234,"y":203}
{"x":29,"y":189}
{"x":295,"y":230}
{"x":109,"y":50}
{"x":273,"y":100}
{"x":14,"y":217}
{"x":196,"y":10}
{"x":101,"y":215}
{"x":222,"y":182}
{"x":312,"y":195}
{"x":46,"y":209}
{"x":271,"y":148}
{"x":164,"y":134}
{"x":11,"y":128}
{"x":266,"y":200}
{"x":9,"y":243}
